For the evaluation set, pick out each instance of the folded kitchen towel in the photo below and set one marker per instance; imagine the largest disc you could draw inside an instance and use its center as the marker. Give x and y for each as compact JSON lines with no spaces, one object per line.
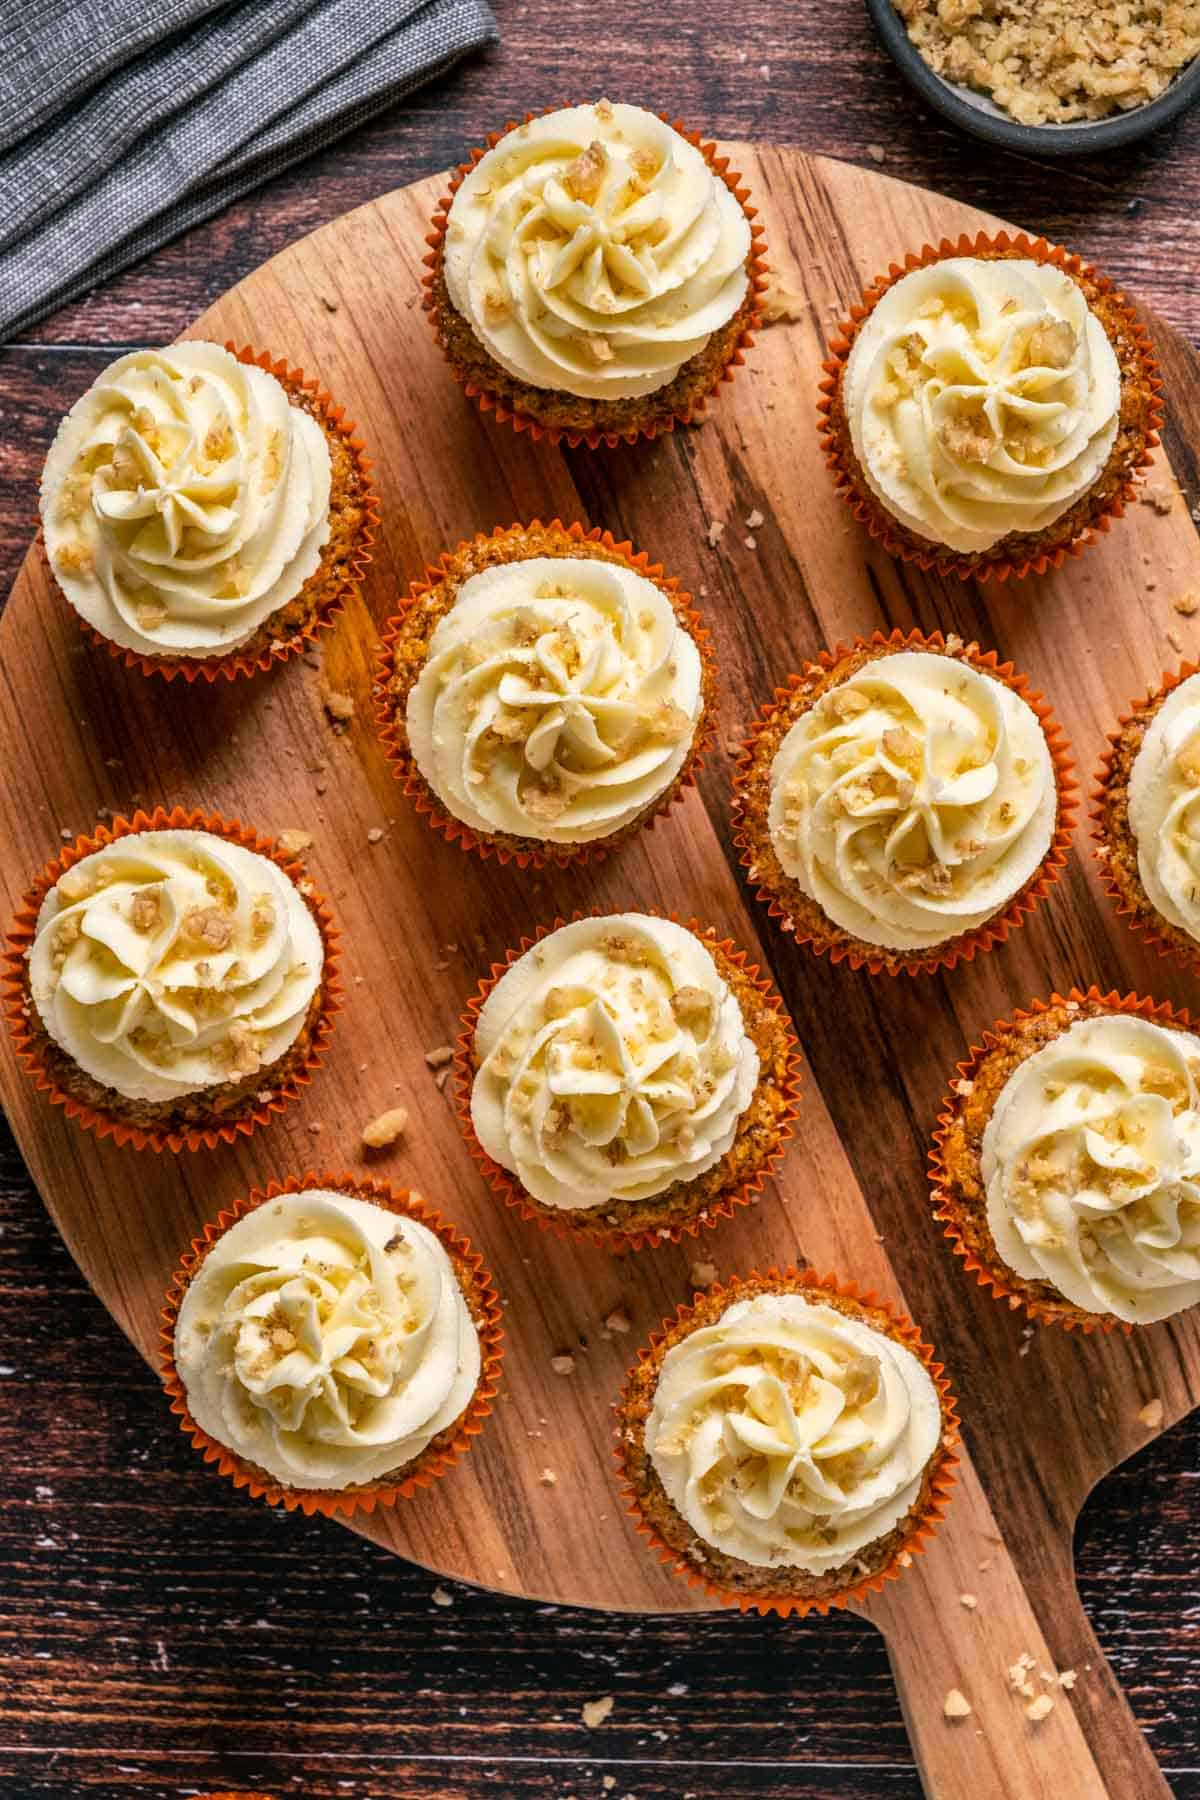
{"x":121,"y":126}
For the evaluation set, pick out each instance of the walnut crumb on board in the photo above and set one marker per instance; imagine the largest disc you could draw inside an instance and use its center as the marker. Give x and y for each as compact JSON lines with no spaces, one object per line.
{"x":563,"y":1365}
{"x":1151,"y":1414}
{"x":956,"y":1705}
{"x":1160,"y":498}
{"x":340,"y":707}
{"x":441,"y":1598}
{"x":547,"y":1478}
{"x":1186,"y":605}
{"x":595,"y":1712}
{"x":969,"y":1601}
{"x":439,"y":1058}
{"x":715,"y":528}
{"x":781,"y":305}
{"x":294,"y":843}
{"x":703,"y":1274}
{"x":375,"y":835}
{"x":617,"y":1320}
{"x":385,"y":1129}
{"x":1040,"y":1708}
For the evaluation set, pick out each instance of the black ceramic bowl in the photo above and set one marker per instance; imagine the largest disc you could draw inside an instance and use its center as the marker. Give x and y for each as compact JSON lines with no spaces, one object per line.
{"x":978,"y":115}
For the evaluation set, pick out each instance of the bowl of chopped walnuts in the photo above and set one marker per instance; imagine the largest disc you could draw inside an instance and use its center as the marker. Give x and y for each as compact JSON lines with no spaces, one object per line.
{"x":1053,"y":77}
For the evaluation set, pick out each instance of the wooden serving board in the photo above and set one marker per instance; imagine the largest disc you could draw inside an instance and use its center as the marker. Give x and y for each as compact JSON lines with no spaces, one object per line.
{"x":1046,"y":1415}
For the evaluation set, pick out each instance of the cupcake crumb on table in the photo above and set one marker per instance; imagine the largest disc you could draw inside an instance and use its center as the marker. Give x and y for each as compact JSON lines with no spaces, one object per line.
{"x":169,"y":976}
{"x":1034,"y":1172}
{"x":657,"y":1083}
{"x":205,"y":512}
{"x":332,"y":1343}
{"x":545,"y":693}
{"x":1035,"y":443}
{"x":595,"y":273}
{"x":732,"y":1431}
{"x":883,"y":816}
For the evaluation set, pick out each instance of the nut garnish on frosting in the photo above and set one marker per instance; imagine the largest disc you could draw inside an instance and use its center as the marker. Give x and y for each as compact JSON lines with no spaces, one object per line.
{"x":184,"y":500}
{"x":326,"y":1340}
{"x":983,"y":398}
{"x":559,"y":700}
{"x":790,"y":1434}
{"x":914,"y":800}
{"x":613,"y":1062}
{"x":594,"y":251}
{"x":1091,"y":1161}
{"x":1164,"y":808}
{"x":173,"y":961}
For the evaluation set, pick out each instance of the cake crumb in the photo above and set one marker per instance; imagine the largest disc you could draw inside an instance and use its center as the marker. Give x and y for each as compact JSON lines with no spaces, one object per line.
{"x":1038,"y":1709}
{"x":439,"y":1058}
{"x":1067,"y":1678}
{"x":563,"y":1365}
{"x":703,"y":1274}
{"x":1186,"y":605}
{"x":969,"y":1601}
{"x":956,"y":1705}
{"x":781,"y":305}
{"x":617,"y":1320}
{"x":385,"y":1129}
{"x":754,"y":520}
{"x":876,"y":152}
{"x":715,"y":528}
{"x":340,"y":707}
{"x":1160,"y":498}
{"x":750,"y":542}
{"x":294,"y":842}
{"x":595,"y":1712}
{"x":964,"y":1087}
{"x":441,"y":1598}
{"x":547,"y":1478}
{"x":1151,"y":1414}
{"x":375,"y":834}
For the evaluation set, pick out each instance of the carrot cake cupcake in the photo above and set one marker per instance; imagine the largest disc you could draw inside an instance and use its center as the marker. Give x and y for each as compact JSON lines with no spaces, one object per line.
{"x":196,"y":505}
{"x":174,"y":977}
{"x":896,"y":802}
{"x":327,"y":1343}
{"x":990,"y":408}
{"x":1068,"y":1162}
{"x":786,"y":1440}
{"x":546,"y":692}
{"x":626,"y":1076}
{"x":1148,"y":816}
{"x":594,"y":271}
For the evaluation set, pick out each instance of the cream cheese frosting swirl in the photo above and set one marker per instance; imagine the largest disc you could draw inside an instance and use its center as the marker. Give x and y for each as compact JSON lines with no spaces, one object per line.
{"x":174,"y":960}
{"x":613,"y":1062}
{"x":1164,"y":808}
{"x":1091,"y":1160}
{"x":914,"y":800}
{"x":983,"y":398}
{"x":184,"y":500}
{"x":558,"y":700}
{"x":326,"y":1340}
{"x":789,"y":1434}
{"x":594,"y":251}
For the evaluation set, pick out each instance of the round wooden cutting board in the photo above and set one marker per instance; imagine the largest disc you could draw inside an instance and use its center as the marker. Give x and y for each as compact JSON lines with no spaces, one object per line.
{"x":533,"y":1510}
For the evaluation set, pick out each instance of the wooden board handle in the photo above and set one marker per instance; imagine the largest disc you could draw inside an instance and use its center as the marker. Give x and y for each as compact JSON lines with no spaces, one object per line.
{"x":1088,"y":1746}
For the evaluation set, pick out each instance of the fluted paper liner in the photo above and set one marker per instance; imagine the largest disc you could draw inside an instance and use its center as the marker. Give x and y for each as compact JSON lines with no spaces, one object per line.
{"x":434,"y":1460}
{"x":1147,"y":924}
{"x":233,"y":663}
{"x":871,"y":511}
{"x":428,"y":804}
{"x":507,"y":1185}
{"x":947,"y":1207}
{"x":942,"y":1481}
{"x":665,"y":422}
{"x":18,"y":1002}
{"x":966,"y":945}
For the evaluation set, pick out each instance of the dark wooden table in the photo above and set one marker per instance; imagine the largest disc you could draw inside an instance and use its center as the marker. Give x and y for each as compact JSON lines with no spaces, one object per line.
{"x":160,"y":1635}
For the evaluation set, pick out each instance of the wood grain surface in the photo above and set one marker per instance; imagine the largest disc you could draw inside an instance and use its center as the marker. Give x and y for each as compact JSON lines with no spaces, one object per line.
{"x":773,"y":1715}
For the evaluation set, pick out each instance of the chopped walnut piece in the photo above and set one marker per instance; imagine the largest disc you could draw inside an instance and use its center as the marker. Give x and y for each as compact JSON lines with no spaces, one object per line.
{"x":969,"y":438}
{"x":375,"y":835}
{"x":74,"y":559}
{"x":544,"y":804}
{"x":385,"y":1129}
{"x":1039,"y":1708}
{"x":547,"y":1478}
{"x":780,"y":304}
{"x":595,"y":1712}
{"x":715,"y":528}
{"x":956,"y":1705}
{"x":586,"y":174}
{"x":692,"y":1006}
{"x":208,"y":925}
{"x":1186,"y":605}
{"x":292,"y":841}
{"x":617,"y":1320}
{"x":1151,"y":1414}
{"x":563,"y":1365}
{"x":1160,"y":498}
{"x":74,"y":885}
{"x":438,"y":1059}
{"x":1051,"y":344}
{"x":145,"y":909}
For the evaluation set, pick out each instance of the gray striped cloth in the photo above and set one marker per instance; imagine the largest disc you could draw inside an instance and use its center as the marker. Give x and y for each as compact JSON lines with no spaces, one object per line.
{"x":122,"y":125}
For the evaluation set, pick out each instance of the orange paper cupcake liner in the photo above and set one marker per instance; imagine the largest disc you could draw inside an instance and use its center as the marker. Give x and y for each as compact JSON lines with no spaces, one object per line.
{"x":418,"y":791}
{"x":434,"y":1461}
{"x":938,"y":558}
{"x":593,"y":438}
{"x":1144,"y":923}
{"x":18,"y":1003}
{"x":995,"y":930}
{"x":946,"y":1206}
{"x":509,"y":1188}
{"x":922,"y":1529}
{"x":234,"y":662}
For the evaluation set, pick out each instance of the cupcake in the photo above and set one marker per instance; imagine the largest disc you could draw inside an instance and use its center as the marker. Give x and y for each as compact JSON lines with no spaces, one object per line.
{"x":594,"y":272}
{"x":1066,"y":1165}
{"x":787,"y":1443}
{"x":626,"y":1078}
{"x":172,"y":985}
{"x":205,"y":512}
{"x":545,"y":693}
{"x":331,"y":1344}
{"x":904,"y":802}
{"x":987,"y":407}
{"x":1147,"y":816}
